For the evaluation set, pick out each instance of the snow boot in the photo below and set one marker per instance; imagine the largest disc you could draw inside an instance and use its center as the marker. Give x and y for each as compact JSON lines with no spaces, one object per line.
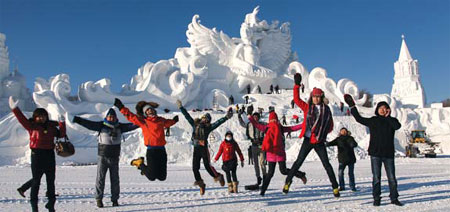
{"x":220,"y":179}
{"x":115,"y":203}
{"x":99,"y":203}
{"x":376,"y":202}
{"x":336,"y":192}
{"x":137,"y":162}
{"x":50,"y":205}
{"x":396,"y":202}
{"x":286,"y":187}
{"x":230,"y":187}
{"x":21,"y":192}
{"x":302,"y":176}
{"x":202,"y":186}
{"x":235,"y":186}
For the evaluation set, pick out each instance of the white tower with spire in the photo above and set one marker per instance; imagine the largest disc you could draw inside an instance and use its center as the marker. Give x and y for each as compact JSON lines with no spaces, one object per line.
{"x":407,"y":86}
{"x":4,"y":57}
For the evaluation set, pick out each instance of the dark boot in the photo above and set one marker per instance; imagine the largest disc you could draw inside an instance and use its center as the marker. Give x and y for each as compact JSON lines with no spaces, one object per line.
{"x":220,"y":179}
{"x":259,"y":180}
{"x":202,"y":186}
{"x":376,"y":202}
{"x":286,"y":187}
{"x":396,"y":202}
{"x":21,"y":192}
{"x":99,"y":203}
{"x":336,"y":192}
{"x":50,"y":205}
{"x":115,"y":203}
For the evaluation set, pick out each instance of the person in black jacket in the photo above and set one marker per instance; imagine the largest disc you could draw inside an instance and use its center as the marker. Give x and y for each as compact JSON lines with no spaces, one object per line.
{"x":109,"y":139}
{"x":346,"y":157}
{"x":382,"y":128}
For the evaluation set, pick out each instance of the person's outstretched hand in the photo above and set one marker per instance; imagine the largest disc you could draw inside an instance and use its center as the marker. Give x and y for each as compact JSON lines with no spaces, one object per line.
{"x":298,"y":78}
{"x":118,"y":103}
{"x":349,"y":100}
{"x":175,"y":118}
{"x":13,"y":103}
{"x":179,"y":104}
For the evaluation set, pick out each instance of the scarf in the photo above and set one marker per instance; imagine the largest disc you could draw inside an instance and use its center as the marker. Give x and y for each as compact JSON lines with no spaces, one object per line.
{"x":320,"y":126}
{"x":110,"y":124}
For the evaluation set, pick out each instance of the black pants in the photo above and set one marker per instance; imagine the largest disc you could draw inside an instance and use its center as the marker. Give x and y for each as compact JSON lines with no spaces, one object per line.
{"x":27,"y":185}
{"x":283,"y":171}
{"x":156,"y":167}
{"x":43,"y":162}
{"x":323,"y":155}
{"x":230,"y":169}
{"x":202,"y":153}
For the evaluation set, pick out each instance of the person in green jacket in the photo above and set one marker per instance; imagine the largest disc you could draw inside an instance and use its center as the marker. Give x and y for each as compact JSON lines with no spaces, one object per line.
{"x":201,"y":129}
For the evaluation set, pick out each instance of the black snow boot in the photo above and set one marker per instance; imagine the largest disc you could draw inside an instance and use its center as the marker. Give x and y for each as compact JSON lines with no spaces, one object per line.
{"x":99,"y":203}
{"x":50,"y":205}
{"x":396,"y":202}
{"x":259,"y":180}
{"x":376,"y":202}
{"x":115,"y":203}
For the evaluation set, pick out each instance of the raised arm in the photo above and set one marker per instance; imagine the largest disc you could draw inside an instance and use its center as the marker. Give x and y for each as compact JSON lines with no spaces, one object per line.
{"x":127,"y":127}
{"x":90,"y":125}
{"x":21,"y":118}
{"x":241,"y":121}
{"x":259,"y":126}
{"x":187,"y":116}
{"x":133,"y":118}
{"x":217,"y":123}
{"x":291,"y":128}
{"x":62,"y":129}
{"x":358,"y":118}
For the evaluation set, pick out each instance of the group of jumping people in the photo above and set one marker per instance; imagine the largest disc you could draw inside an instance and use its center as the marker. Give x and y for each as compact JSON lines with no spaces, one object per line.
{"x":267,"y":146}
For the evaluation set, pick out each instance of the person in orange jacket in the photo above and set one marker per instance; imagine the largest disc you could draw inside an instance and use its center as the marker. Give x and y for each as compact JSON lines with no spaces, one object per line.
{"x":152,"y":127}
{"x":42,"y":133}
{"x":227,"y":150}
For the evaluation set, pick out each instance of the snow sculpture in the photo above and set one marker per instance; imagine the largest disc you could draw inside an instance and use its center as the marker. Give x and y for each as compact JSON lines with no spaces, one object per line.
{"x":407,"y":86}
{"x":12,"y":83}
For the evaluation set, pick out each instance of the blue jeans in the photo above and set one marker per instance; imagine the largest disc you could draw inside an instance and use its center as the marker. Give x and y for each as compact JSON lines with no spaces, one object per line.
{"x":351,"y":175}
{"x":389,"y":166}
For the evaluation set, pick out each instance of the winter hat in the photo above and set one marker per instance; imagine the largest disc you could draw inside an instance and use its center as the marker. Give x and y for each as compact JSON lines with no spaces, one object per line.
{"x":207,"y":116}
{"x":256,"y":114}
{"x":317,"y":92}
{"x":228,"y":133}
{"x":381,"y":104}
{"x":111,"y":112}
{"x":146,"y":107}
{"x":273,"y":116}
{"x":40,"y":112}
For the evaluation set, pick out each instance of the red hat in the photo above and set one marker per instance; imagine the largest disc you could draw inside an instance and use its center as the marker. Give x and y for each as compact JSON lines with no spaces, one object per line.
{"x":273,"y":116}
{"x":317,"y":92}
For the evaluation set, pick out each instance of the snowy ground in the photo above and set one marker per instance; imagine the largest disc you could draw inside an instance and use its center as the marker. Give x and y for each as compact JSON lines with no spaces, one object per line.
{"x":424,"y":185}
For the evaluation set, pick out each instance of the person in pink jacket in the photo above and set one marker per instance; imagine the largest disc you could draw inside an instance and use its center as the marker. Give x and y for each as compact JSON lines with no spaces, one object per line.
{"x":273,"y":145}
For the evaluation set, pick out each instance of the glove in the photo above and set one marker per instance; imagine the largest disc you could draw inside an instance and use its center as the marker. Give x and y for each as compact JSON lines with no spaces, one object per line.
{"x":298,"y":78}
{"x":13,"y":103}
{"x":175,"y":118}
{"x":179,"y":104}
{"x":250,"y":110}
{"x":229,"y":113}
{"x":76,"y":119}
{"x":242,"y":163}
{"x":118,"y":103}
{"x":349,"y":100}
{"x":61,"y":118}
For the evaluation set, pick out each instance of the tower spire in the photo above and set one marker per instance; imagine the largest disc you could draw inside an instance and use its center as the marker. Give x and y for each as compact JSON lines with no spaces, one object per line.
{"x":404,"y":52}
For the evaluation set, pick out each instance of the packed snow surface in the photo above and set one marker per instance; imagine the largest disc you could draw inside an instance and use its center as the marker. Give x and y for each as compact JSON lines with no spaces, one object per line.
{"x":424,"y":185}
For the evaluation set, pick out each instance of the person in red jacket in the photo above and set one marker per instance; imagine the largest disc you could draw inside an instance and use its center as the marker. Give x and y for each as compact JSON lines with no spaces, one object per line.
{"x":317,"y":123}
{"x":152,"y":127}
{"x":42,"y":133}
{"x":274,"y":146}
{"x":227,"y":150}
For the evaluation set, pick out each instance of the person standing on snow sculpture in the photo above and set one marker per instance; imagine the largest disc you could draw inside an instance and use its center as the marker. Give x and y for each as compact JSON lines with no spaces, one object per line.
{"x":201,"y":129}
{"x":152,"y":127}
{"x":382,"y":129}
{"x":346,"y":157}
{"x":110,"y":132}
{"x":228,"y":149}
{"x":42,"y":133}
{"x":317,"y":123}
{"x":274,"y":146}
{"x":256,"y":138}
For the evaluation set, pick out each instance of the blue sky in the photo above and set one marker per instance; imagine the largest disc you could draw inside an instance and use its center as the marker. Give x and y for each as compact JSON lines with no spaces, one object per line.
{"x":358,"y":39}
